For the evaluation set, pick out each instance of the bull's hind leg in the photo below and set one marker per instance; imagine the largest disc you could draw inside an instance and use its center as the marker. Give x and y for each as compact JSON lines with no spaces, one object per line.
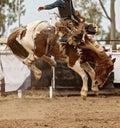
{"x":37,"y":72}
{"x":86,"y":66}
{"x":29,"y":62}
{"x":30,"y":59}
{"x":27,"y":57}
{"x":83,"y":75}
{"x":49,"y":60}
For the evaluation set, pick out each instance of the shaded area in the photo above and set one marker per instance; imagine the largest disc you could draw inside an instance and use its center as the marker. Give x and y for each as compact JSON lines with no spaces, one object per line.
{"x":65,"y":78}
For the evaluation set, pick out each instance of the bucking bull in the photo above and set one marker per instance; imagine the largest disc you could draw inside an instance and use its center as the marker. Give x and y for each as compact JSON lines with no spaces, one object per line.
{"x":40,"y":40}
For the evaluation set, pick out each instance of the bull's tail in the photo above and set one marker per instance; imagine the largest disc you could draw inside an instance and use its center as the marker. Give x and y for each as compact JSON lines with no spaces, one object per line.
{"x":15,"y":46}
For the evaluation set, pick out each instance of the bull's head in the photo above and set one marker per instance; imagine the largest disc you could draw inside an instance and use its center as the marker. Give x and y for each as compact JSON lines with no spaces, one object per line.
{"x":103,"y":71}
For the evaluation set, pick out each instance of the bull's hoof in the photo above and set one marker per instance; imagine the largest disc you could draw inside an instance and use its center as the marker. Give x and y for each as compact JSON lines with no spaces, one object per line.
{"x":84,"y":94}
{"x":27,"y":62}
{"x":95,"y":90}
{"x":96,"y":93}
{"x":53,"y":63}
{"x":38,"y":75}
{"x":84,"y":97}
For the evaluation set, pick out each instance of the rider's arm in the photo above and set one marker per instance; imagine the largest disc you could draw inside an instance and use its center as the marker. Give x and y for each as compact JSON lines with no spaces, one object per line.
{"x":57,"y":3}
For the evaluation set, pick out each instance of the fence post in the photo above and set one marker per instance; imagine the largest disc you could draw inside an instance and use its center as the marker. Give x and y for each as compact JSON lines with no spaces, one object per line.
{"x":2,"y":85}
{"x":52,"y":81}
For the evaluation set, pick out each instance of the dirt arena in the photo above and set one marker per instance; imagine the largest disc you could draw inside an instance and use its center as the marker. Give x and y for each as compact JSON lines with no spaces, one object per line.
{"x":37,"y":110}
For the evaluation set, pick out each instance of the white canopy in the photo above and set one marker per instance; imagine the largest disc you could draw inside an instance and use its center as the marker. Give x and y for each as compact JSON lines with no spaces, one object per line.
{"x":15,"y":73}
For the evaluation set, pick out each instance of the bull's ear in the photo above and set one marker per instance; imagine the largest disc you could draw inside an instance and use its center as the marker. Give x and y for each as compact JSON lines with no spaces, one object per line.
{"x":113,"y":60}
{"x":110,"y":56}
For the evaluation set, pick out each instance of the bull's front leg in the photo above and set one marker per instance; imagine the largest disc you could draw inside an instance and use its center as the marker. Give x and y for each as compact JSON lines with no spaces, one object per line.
{"x":84,"y":90}
{"x":86,"y":66}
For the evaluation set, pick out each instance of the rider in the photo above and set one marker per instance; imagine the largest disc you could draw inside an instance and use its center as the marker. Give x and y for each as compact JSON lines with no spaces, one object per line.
{"x":66,"y":12}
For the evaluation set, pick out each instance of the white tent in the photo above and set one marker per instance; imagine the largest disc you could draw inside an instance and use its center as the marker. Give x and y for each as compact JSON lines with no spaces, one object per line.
{"x":16,"y":74}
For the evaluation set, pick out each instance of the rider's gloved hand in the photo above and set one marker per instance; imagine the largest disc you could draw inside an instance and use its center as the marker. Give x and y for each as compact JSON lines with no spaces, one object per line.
{"x":41,"y":8}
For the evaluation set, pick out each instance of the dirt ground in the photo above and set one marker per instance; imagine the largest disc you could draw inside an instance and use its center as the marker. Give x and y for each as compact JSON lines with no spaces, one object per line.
{"x":37,"y":110}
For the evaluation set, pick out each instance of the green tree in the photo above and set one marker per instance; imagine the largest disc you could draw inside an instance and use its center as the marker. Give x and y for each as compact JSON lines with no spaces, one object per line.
{"x":10,"y":10}
{"x":111,"y":18}
{"x":91,"y":10}
{"x":94,"y":10}
{"x":108,"y":36}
